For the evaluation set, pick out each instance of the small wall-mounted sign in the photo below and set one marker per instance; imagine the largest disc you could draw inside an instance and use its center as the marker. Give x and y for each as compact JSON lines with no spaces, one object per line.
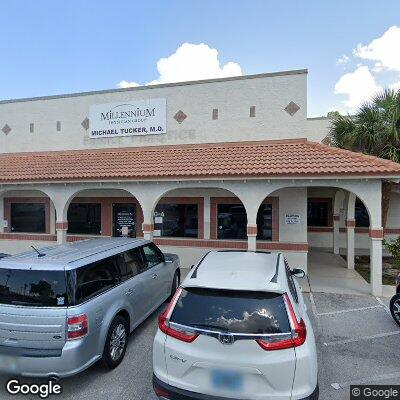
{"x":292,"y":219}
{"x":5,"y":223}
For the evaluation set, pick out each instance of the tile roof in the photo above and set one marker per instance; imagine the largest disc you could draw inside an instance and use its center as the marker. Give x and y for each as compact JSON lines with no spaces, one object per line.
{"x":284,"y":158}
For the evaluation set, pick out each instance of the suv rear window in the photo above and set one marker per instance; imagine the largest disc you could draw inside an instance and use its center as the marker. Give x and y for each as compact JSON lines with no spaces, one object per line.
{"x":33,"y":288}
{"x":232,"y":311}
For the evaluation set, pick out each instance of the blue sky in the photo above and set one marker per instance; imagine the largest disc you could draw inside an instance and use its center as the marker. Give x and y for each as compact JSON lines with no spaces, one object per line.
{"x":51,"y":47}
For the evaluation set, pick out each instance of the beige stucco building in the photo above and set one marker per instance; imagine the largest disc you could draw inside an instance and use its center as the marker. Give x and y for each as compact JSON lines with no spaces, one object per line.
{"x":235,"y":163}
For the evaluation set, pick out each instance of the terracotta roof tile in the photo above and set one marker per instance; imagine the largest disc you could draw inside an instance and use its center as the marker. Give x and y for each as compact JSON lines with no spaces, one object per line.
{"x":285,"y":158}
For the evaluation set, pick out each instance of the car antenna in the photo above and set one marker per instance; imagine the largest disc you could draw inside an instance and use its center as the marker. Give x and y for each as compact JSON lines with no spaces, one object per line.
{"x":39,"y":253}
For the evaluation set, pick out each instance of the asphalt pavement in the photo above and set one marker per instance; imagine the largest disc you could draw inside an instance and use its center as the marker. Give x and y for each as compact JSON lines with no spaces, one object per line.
{"x":357,"y":340}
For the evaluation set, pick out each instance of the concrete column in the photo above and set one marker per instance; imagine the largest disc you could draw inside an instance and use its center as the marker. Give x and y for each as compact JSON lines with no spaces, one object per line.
{"x":1,"y":213}
{"x":350,"y":225}
{"x":61,"y":228}
{"x":52,"y":218}
{"x":376,"y":235}
{"x":207,"y":211}
{"x":336,"y":233}
{"x":251,"y":237}
{"x":148,"y":230}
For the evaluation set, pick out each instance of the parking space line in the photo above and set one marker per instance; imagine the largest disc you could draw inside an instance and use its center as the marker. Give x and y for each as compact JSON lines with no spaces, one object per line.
{"x":349,"y":310}
{"x":377,"y":336}
{"x":386,"y":308}
{"x":368,"y":380}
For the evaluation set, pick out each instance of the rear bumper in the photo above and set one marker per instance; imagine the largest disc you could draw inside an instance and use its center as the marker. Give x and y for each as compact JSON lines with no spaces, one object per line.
{"x":173,"y":393}
{"x":73,"y":358}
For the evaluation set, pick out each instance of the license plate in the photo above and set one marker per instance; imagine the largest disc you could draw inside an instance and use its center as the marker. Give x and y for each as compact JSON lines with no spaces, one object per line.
{"x":227,"y":380}
{"x":8,"y":364}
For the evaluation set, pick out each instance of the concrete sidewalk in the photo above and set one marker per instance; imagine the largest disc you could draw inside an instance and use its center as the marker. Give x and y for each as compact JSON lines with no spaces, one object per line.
{"x":328,"y":273}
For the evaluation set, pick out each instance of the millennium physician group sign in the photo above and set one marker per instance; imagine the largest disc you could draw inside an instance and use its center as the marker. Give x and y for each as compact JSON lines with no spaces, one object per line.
{"x":128,"y":118}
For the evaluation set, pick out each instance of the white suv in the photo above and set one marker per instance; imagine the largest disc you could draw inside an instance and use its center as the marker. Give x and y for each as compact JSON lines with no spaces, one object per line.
{"x":237,"y":328}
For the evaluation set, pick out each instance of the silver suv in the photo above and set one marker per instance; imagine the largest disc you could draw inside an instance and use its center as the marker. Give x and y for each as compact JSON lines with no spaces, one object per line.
{"x":65,"y":307}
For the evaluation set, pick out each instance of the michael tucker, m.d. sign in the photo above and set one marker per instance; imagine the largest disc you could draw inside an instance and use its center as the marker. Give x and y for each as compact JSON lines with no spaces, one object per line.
{"x":128,"y":118}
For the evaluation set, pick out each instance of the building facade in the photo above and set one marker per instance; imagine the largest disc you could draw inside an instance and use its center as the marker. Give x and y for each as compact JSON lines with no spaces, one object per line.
{"x":229,"y":163}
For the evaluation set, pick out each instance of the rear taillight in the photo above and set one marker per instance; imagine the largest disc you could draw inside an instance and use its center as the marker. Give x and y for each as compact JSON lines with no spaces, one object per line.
{"x":163,"y":323}
{"x":297,"y":338}
{"x":77,"y":327}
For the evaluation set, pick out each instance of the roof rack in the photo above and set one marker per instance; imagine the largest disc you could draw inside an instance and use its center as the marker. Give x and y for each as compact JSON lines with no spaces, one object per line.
{"x":100,"y":251}
{"x":274,"y":279}
{"x":194,"y":275}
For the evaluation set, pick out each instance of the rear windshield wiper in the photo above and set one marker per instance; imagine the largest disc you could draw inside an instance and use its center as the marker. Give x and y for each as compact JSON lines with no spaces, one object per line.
{"x":208,"y":326}
{"x":25,"y":303}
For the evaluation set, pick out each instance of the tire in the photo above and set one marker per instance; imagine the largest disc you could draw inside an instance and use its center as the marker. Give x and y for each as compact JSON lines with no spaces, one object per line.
{"x":395,"y":308}
{"x":118,"y":334}
{"x":175,"y":284}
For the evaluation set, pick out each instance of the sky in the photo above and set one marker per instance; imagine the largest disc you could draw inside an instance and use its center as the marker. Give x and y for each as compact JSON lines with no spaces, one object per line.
{"x":351,"y":48}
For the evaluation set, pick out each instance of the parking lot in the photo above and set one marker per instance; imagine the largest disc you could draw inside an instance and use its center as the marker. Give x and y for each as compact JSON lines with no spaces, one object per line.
{"x":358,"y":342}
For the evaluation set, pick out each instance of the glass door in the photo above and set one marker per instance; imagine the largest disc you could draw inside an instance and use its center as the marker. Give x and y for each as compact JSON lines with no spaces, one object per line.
{"x":124,"y":220}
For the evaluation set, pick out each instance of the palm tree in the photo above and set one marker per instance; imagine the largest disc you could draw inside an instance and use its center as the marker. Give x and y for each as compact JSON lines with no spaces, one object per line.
{"x":373,"y":130}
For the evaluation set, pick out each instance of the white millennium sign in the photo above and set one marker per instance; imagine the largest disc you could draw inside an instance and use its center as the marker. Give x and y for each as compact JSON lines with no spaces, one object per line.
{"x":128,"y":118}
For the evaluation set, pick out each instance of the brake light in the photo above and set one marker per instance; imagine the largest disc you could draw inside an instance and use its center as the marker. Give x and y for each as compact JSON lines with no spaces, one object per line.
{"x":163,"y":323}
{"x":77,"y":327}
{"x":298,"y":336}
{"x":161,"y":393}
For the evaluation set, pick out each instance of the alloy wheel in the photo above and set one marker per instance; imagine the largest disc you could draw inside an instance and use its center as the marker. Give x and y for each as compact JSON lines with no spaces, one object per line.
{"x":117,"y":342}
{"x":396,"y":310}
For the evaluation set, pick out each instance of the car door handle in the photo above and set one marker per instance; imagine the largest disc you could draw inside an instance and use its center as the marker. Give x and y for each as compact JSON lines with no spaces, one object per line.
{"x":155,"y":276}
{"x":129,"y":292}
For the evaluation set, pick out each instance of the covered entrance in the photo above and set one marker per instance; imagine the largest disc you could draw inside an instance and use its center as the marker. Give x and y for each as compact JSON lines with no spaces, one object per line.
{"x":124,"y":220}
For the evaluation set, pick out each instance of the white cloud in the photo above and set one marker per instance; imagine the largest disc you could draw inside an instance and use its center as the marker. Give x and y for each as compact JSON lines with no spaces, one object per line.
{"x":395,"y":86}
{"x":358,"y":86}
{"x":343,"y":60}
{"x":385,"y":50}
{"x":190,"y":62}
{"x":125,"y":84}
{"x":193,"y":62}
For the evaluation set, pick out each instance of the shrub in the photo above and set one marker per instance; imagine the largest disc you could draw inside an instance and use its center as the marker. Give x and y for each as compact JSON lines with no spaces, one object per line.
{"x":394,"y":248}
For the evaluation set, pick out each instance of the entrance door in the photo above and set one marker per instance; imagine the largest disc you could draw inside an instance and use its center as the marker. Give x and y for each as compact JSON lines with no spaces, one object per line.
{"x":124,"y":220}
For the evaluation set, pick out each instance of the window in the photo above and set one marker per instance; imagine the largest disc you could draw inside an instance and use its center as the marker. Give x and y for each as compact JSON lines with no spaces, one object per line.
{"x":317,"y":212}
{"x":134,"y":262}
{"x":292,"y":285}
{"x":176,"y":220}
{"x":361,"y":215}
{"x":234,"y":311}
{"x":96,"y":278}
{"x":84,"y":218}
{"x":28,"y":217}
{"x":35,"y":288}
{"x":264,"y":222}
{"x":152,"y":255}
{"x":232,"y":221}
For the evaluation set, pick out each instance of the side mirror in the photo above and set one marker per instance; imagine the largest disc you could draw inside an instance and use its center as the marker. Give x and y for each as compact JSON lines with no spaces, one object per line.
{"x":298,"y":273}
{"x":168,"y":259}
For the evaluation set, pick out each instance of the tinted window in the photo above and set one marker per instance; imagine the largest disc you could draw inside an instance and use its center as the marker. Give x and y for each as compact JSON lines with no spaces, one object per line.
{"x":28,"y":217}
{"x":152,"y":255}
{"x":233,"y":311}
{"x":176,"y":220}
{"x":361,"y":214}
{"x":84,"y":218}
{"x":33,"y":288}
{"x":95,"y":278}
{"x":232,"y":221}
{"x":264,"y":222}
{"x":317,"y":213}
{"x":134,"y":262}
